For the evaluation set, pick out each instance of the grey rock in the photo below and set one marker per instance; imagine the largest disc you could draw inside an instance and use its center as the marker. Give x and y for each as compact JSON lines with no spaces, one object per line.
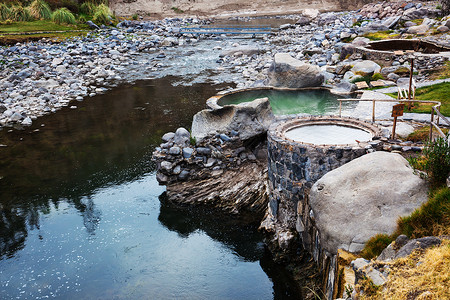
{"x":27,"y":121}
{"x":249,"y":119}
{"x":287,"y":71}
{"x":418,"y":29}
{"x":346,"y":51}
{"x":16,"y":117}
{"x":175,"y":150}
{"x":166,"y":166}
{"x":187,"y":152}
{"x":302,"y":21}
{"x":387,"y":254}
{"x":203,"y":151}
{"x":182,"y":136}
{"x":344,"y":88}
{"x":366,"y":68}
{"x":442,"y":29}
{"x":359,"y":195}
{"x":183,"y":175}
{"x":210,"y":162}
{"x":176,"y":170}
{"x":92,"y":25}
{"x":168,"y":136}
{"x":224,"y":137}
{"x":243,"y":50}
{"x":422,"y":243}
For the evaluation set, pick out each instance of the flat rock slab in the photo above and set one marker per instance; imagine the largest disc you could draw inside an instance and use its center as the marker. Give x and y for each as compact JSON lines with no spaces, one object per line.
{"x":363,"y":198}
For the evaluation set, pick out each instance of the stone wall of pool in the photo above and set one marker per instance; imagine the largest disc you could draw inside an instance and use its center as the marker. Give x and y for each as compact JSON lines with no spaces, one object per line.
{"x":293,"y":167}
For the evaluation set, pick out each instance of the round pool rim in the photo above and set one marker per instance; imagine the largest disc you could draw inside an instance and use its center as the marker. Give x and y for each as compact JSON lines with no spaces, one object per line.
{"x":278,"y":130}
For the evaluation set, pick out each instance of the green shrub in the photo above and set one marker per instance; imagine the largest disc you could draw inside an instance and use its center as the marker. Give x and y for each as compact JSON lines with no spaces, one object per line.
{"x":5,"y":12}
{"x":87,"y":8}
{"x":39,"y":9}
{"x":376,"y":245}
{"x":437,"y":165}
{"x":19,"y":13}
{"x":102,"y":15}
{"x":134,"y":16}
{"x":63,"y":15}
{"x":82,"y":20}
{"x":432,"y":218}
{"x":377,"y":76}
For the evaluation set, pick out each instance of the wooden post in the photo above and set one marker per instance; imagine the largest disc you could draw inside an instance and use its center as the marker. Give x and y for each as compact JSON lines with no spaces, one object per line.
{"x":340,"y":108}
{"x":373,"y":111}
{"x":397,"y":111}
{"x":393,"y":128}
{"x":410,"y":83}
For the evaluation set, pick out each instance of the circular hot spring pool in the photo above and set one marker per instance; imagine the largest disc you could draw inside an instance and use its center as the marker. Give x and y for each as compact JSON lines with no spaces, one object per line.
{"x":325,"y":130}
{"x":284,"y":102}
{"x":328,"y":134}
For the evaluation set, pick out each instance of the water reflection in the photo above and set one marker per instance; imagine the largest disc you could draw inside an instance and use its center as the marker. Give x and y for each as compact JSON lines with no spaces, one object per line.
{"x":67,"y":156}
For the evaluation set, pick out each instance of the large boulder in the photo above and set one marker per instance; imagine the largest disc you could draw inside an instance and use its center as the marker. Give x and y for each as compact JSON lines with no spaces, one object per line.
{"x":363,"y":198}
{"x":366,"y":68}
{"x":289,"y":72}
{"x":249,"y":119}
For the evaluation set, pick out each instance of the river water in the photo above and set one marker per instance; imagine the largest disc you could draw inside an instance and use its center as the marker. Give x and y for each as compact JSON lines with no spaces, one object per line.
{"x":83,"y":217}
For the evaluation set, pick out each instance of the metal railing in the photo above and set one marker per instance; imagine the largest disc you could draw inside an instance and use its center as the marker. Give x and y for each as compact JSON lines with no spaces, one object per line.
{"x":435,"y":110}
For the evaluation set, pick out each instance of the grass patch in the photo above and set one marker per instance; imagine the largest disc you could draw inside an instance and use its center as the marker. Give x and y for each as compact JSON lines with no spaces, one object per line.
{"x":431,"y":219}
{"x":436,"y":92}
{"x":422,"y":134}
{"x":376,"y":245}
{"x":40,"y":25}
{"x":381,"y":35}
{"x":177,"y":10}
{"x":21,"y":38}
{"x":102,"y":15}
{"x":39,"y":9}
{"x":63,"y":16}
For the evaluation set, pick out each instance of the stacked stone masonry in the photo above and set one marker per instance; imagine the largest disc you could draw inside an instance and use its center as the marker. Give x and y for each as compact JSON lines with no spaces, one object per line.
{"x":294,"y":167}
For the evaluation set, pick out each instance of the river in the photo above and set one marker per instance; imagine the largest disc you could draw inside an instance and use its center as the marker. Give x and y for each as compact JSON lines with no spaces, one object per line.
{"x":83,"y":217}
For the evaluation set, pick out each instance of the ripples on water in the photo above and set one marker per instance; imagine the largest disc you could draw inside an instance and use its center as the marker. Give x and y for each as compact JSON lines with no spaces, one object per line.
{"x":82,"y":216}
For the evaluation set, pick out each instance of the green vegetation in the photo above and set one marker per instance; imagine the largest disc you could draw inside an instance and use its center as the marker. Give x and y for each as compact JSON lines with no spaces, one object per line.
{"x":102,"y":15}
{"x":39,"y":9}
{"x":422,"y":134}
{"x":436,"y":92}
{"x":435,"y":161}
{"x":5,"y":12}
{"x":381,"y":35}
{"x":87,"y":8}
{"x":374,"y":77}
{"x":41,"y":25}
{"x":19,"y":13}
{"x":375,"y":245}
{"x":134,"y":16}
{"x":432,"y":218}
{"x":63,"y":16}
{"x":177,"y":10}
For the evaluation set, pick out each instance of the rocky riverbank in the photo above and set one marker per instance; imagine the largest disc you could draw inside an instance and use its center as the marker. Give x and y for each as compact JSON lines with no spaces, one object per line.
{"x":41,"y":77}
